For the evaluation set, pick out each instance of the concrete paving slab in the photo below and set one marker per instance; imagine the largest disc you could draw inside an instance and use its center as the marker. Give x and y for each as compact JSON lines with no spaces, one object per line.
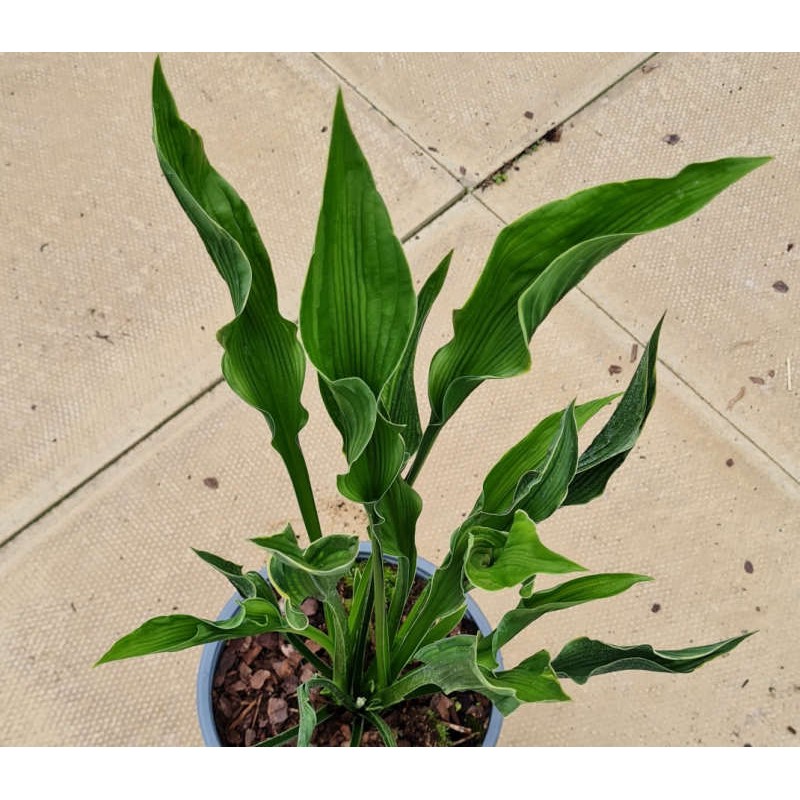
{"x":117,"y":551}
{"x":728,"y":277}
{"x":475,"y":111}
{"x":111,"y":302}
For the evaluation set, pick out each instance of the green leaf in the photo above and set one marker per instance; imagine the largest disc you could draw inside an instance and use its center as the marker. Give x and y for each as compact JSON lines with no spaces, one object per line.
{"x":376,"y":469}
{"x":544,"y":494}
{"x":611,"y":446}
{"x":443,"y":596}
{"x":383,"y":729}
{"x":395,"y":528}
{"x":358,"y":304}
{"x":233,"y":572}
{"x":538,"y":258}
{"x":497,"y":560}
{"x":353,"y":409}
{"x":565,"y":595}
{"x":308,"y":716}
{"x":179,"y":631}
{"x":452,"y":665}
{"x":399,"y":397}
{"x":501,"y":488}
{"x":329,"y":557}
{"x":263,"y":360}
{"x":583,"y":658}
{"x":321,"y":715}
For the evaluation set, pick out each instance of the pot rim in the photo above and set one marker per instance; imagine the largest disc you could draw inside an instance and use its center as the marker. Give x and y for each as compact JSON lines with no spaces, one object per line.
{"x":211,"y":653}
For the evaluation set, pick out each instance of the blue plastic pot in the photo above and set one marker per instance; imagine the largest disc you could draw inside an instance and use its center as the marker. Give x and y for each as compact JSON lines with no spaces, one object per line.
{"x":212,"y":652}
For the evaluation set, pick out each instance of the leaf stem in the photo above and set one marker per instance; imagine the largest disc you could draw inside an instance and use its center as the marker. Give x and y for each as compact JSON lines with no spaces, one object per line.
{"x":428,"y":438}
{"x":357,"y":730}
{"x":379,"y":588}
{"x":295,"y":461}
{"x":383,"y":729}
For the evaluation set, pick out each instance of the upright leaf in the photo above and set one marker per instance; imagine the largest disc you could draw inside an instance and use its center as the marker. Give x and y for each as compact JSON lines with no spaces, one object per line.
{"x":618,"y":436}
{"x":501,"y":488}
{"x":358,"y":303}
{"x":263,"y":360}
{"x":583,"y":658}
{"x":399,"y":396}
{"x":545,"y":253}
{"x":397,"y":512}
{"x":546,"y":491}
{"x":442,"y":598}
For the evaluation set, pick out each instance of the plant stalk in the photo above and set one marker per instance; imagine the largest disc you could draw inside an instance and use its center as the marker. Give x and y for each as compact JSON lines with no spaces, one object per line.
{"x":379,"y":589}
{"x":357,"y":730}
{"x":297,"y":468}
{"x":425,"y":445}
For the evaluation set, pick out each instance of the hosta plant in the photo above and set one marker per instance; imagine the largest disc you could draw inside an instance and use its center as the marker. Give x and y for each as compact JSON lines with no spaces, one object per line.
{"x":359,"y":325}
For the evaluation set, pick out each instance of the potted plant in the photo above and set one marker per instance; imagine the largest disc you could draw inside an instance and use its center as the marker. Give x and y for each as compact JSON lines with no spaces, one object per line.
{"x":363,"y":636}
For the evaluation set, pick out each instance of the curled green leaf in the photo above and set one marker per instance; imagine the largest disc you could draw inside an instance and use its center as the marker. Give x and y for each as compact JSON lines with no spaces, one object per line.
{"x":538,"y":258}
{"x":583,"y":658}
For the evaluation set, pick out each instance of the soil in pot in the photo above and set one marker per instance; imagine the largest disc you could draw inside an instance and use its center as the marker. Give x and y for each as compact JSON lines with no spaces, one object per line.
{"x":254,"y":697}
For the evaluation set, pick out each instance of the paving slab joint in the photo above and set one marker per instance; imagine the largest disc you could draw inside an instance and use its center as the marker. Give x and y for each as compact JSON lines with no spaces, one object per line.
{"x":111,"y":461}
{"x":551,"y":135}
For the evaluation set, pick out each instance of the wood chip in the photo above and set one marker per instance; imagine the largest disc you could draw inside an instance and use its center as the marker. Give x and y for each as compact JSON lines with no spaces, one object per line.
{"x":268,"y":641}
{"x":258,"y":678}
{"x":780,"y":286}
{"x":277,"y":710}
{"x":757,"y":380}
{"x":282,"y":668}
{"x":287,"y":649}
{"x":250,"y":656}
{"x":441,"y":705}
{"x":309,"y":606}
{"x":634,"y":351}
{"x":614,"y":369}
